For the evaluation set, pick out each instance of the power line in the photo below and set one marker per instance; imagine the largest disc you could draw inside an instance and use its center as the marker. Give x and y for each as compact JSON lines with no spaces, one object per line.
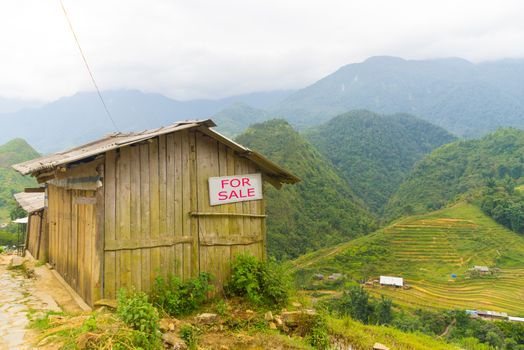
{"x":87,"y":66}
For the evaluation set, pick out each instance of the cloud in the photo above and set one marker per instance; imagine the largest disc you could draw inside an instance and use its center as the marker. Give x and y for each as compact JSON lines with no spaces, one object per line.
{"x":196,"y":49}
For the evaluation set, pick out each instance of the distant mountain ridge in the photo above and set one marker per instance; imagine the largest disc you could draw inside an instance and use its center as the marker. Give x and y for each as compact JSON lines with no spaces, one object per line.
{"x":80,"y":118}
{"x":465,"y":98}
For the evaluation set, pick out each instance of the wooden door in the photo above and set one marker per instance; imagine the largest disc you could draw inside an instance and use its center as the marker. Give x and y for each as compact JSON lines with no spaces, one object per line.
{"x":224,"y":230}
{"x":82,"y":248}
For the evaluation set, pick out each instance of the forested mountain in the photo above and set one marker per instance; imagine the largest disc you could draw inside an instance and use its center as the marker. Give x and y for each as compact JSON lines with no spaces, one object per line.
{"x":80,"y":118}
{"x":375,"y":152}
{"x":320,"y":210}
{"x":465,"y":98}
{"x":459,"y":168}
{"x":15,"y":151}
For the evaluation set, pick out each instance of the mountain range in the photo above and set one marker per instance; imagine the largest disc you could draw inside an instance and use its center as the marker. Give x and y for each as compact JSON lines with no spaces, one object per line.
{"x":467,"y":99}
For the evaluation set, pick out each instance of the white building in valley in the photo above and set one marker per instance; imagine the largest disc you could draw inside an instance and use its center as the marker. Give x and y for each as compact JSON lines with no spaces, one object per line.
{"x":391,"y":281}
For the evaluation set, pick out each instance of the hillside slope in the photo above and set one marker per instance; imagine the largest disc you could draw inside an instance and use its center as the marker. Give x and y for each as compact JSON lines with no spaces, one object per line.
{"x":465,"y":98}
{"x":426,"y":250}
{"x":15,"y":151}
{"x":320,"y":210}
{"x":374,"y":152}
{"x":236,"y":118}
{"x":459,"y":168}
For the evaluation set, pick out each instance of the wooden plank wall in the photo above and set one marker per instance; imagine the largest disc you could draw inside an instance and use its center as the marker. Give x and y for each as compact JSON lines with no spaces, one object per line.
{"x":33,"y":232}
{"x":224,"y":236}
{"x":152,"y":191}
{"x":147,"y":222}
{"x":71,"y":244}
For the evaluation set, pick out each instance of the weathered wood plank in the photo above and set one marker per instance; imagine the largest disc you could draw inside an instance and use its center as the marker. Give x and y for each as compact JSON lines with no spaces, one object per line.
{"x":229,"y":240}
{"x":162,"y":241}
{"x":124,"y":208}
{"x":135,"y":220}
{"x":154,"y":190}
{"x":145,"y":215}
{"x":185,"y":203}
{"x":177,"y":204}
{"x":109,"y":268}
{"x":162,"y":171}
{"x":170,"y":201}
{"x":193,"y":174}
{"x":98,"y":257}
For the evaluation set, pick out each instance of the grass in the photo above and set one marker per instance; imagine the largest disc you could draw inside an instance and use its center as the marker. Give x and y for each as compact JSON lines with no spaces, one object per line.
{"x":362,"y":337}
{"x":426,"y":250}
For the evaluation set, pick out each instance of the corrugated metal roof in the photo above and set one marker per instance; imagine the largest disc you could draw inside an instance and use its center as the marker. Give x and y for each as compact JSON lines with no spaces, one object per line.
{"x":30,"y":201}
{"x":117,"y":140}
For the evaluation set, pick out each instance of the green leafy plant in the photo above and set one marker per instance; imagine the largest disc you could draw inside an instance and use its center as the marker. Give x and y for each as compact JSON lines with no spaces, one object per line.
{"x":318,"y":333}
{"x":190,"y":335}
{"x":177,"y":297}
{"x":258,"y":281}
{"x":134,"y":310}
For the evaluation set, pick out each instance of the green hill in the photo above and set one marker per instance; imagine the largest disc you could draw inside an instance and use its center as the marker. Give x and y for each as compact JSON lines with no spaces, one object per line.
{"x":320,"y":210}
{"x":375,"y":152}
{"x":426,"y":250}
{"x":458,"y":168}
{"x":15,"y":151}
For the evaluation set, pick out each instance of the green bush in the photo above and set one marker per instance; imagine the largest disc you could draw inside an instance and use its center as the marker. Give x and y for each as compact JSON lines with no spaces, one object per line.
{"x":318,"y":334}
{"x":177,"y":297}
{"x":134,"y":310}
{"x":190,"y":335}
{"x":260,"y":282}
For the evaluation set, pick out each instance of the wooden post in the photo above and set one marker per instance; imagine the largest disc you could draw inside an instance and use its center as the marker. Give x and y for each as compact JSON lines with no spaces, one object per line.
{"x":98,"y":258}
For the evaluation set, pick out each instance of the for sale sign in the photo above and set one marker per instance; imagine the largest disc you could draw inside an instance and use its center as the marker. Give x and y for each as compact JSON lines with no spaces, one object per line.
{"x":237,"y":188}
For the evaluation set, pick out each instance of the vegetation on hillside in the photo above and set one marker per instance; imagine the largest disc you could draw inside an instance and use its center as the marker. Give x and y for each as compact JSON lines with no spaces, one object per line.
{"x":434,"y":253}
{"x":373,"y":152}
{"x":505,"y":204}
{"x":459,"y":168}
{"x":319,"y":211}
{"x":15,"y":151}
{"x":236,"y":118}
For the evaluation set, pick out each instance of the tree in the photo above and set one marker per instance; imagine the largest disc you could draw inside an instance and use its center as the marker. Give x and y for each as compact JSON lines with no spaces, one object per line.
{"x":383,"y":311}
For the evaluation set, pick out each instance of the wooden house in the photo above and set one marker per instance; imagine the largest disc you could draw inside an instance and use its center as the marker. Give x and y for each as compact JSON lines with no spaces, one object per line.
{"x":32,"y":201}
{"x":129,"y":207}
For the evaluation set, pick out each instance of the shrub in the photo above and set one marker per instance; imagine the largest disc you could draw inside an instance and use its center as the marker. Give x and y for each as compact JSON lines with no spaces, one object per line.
{"x":318,"y":335}
{"x":134,"y":310}
{"x":177,"y":297}
{"x":190,"y":335}
{"x":258,"y":281}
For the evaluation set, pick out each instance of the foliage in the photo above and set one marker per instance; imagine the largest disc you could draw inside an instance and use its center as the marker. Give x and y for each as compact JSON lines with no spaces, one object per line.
{"x":177,"y":297}
{"x":318,"y":333}
{"x":505,"y":205}
{"x":459,"y":169}
{"x":261,"y":282}
{"x":374,"y":152}
{"x":190,"y":335}
{"x":11,"y":182}
{"x":134,"y":310}
{"x":319,"y":211}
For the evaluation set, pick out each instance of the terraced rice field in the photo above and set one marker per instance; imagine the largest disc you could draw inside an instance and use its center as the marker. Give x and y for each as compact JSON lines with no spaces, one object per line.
{"x":505,"y":293}
{"x":426,"y":250}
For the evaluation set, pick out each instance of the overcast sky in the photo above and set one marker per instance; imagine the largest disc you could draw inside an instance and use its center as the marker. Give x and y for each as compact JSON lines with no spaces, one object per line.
{"x":210,"y":49}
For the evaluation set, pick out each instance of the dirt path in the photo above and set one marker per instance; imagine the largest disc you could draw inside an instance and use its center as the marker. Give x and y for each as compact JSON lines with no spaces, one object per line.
{"x":20,"y":296}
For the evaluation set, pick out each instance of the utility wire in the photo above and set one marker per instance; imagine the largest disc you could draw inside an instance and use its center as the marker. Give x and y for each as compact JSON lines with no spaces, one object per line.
{"x":87,"y":67}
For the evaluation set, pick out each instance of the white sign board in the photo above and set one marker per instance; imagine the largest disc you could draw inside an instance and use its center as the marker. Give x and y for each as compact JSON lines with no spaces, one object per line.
{"x":237,"y":188}
{"x":392,"y":281}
